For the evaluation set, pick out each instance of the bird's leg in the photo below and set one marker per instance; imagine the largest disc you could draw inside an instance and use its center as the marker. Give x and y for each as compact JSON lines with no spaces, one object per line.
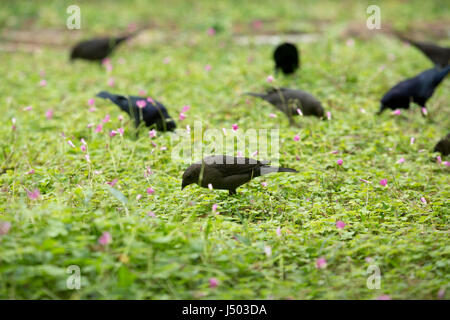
{"x":232,"y":192}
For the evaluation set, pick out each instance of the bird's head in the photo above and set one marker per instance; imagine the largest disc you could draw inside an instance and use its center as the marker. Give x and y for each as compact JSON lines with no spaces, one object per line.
{"x":191,"y":175}
{"x":167,"y":124}
{"x":382,"y":108}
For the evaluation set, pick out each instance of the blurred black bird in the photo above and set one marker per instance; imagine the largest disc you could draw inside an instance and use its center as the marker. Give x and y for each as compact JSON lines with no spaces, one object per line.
{"x":418,"y":89}
{"x":443,"y":146}
{"x":286,"y":58}
{"x":440,"y":56}
{"x":290,"y":100}
{"x":151,"y":112}
{"x":227,"y":172}
{"x":97,"y":49}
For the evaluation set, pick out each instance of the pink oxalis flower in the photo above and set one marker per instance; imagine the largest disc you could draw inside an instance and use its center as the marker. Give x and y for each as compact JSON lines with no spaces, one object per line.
{"x":113,"y":183}
{"x":270,"y":79}
{"x":214,"y":208}
{"x":141,"y":103}
{"x":49,"y":114}
{"x":235,"y":127}
{"x":152,"y":133}
{"x":99,"y":128}
{"x":182,"y":116}
{"x":213,"y":282}
{"x":211,"y":31}
{"x":340,"y":162}
{"x":423,"y":200}
{"x":321,"y":263}
{"x":33,"y":195}
{"x":296,"y":137}
{"x":150,"y":190}
{"x":4,"y":227}
{"x":401,"y":160}
{"x":105,"y":238}
{"x":340,"y":224}
{"x":383,"y":182}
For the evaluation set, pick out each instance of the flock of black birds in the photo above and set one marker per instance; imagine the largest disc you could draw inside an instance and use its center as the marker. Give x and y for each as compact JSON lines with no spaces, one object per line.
{"x":227,"y":172}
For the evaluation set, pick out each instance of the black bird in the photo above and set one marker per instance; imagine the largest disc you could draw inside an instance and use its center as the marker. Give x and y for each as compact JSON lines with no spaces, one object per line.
{"x":440,"y":56}
{"x":227,"y":172}
{"x":286,"y":58}
{"x":152,"y":113}
{"x":418,"y":89}
{"x":97,"y":49}
{"x":289,"y":100}
{"x":443,"y":146}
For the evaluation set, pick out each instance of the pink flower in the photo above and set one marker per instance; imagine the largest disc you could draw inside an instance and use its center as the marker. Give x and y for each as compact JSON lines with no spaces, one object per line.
{"x":401,"y":160}
{"x":152,"y":133}
{"x":106,"y":119}
{"x":31,"y":171}
{"x":109,"y":67}
{"x":112,"y":133}
{"x":412,"y":140}
{"x":105,"y":238}
{"x":92,"y":109}
{"x":363,"y":180}
{"x":71,"y":143}
{"x":151,"y":100}
{"x":224,"y":131}
{"x":397,"y":112}
{"x":99,"y":128}
{"x":299,"y":111}
{"x":120,"y":131}
{"x":148,"y":171}
{"x":182,"y":116}
{"x":329,"y":115}
{"x":142,"y":92}
{"x":138,"y":197}
{"x":27,"y":108}
{"x":91,"y":102}
{"x":188,"y":128}
{"x":83,"y":141}
{"x":272,"y":115}
{"x":254,"y":154}
{"x":120,"y":118}
{"x":211,"y":31}
{"x":334,"y":152}
{"x":106,"y":61}
{"x":112,"y":183}
{"x":278,"y":231}
{"x":340,"y":162}
{"x":439,"y":159}
{"x":239,"y":154}
{"x":185,"y":108}
{"x":264,"y":184}
{"x":384,"y":297}
{"x":424,"y":111}
{"x":235,"y":127}
{"x":270,"y":79}
{"x":296,"y":137}
{"x":166,"y":60}
{"x":43,"y":83}
{"x":141,"y":103}
{"x":340,"y":224}
{"x":13,"y":127}
{"x":83,"y":148}
{"x":150,"y":190}
{"x":214,"y":208}
{"x":90,"y":125}
{"x":49,"y":114}
{"x":33,"y":195}
{"x":213,"y":282}
{"x":321,"y":263}
{"x":423,"y":200}
{"x":210,"y":186}
{"x":257,"y":24}
{"x":447,"y":163}
{"x":163,"y":148}
{"x":4,"y":228}
{"x":383,"y":182}
{"x":151,"y":214}
{"x":111,"y":82}
{"x":86,"y":156}
{"x":208,"y":67}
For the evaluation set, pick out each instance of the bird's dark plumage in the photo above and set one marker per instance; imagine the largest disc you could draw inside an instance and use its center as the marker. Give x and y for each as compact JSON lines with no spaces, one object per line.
{"x":440,"y":56}
{"x":418,"y":89}
{"x":153,"y":113}
{"x":286,"y":58}
{"x":97,"y":49}
{"x":227,"y":172}
{"x":443,"y":146}
{"x":289,"y":100}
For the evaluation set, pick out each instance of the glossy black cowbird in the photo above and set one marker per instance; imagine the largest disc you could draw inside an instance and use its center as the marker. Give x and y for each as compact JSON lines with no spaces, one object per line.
{"x":286,"y":58}
{"x":97,"y":49}
{"x":440,"y":56}
{"x":443,"y":146}
{"x":289,"y":100}
{"x":227,"y":172}
{"x":418,"y":89}
{"x":151,"y":112}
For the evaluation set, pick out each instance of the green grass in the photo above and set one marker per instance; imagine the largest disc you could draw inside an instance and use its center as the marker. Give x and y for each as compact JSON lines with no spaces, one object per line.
{"x":174,"y":254}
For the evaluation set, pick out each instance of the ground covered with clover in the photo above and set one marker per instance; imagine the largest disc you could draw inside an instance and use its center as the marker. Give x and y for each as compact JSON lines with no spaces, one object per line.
{"x":78,"y":187}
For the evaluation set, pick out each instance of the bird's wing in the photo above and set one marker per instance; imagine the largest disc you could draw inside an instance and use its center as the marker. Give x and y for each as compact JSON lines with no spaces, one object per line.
{"x":229,"y":166}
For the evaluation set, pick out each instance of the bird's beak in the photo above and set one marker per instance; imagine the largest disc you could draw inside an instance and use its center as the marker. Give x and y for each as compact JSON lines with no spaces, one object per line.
{"x":183,"y":185}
